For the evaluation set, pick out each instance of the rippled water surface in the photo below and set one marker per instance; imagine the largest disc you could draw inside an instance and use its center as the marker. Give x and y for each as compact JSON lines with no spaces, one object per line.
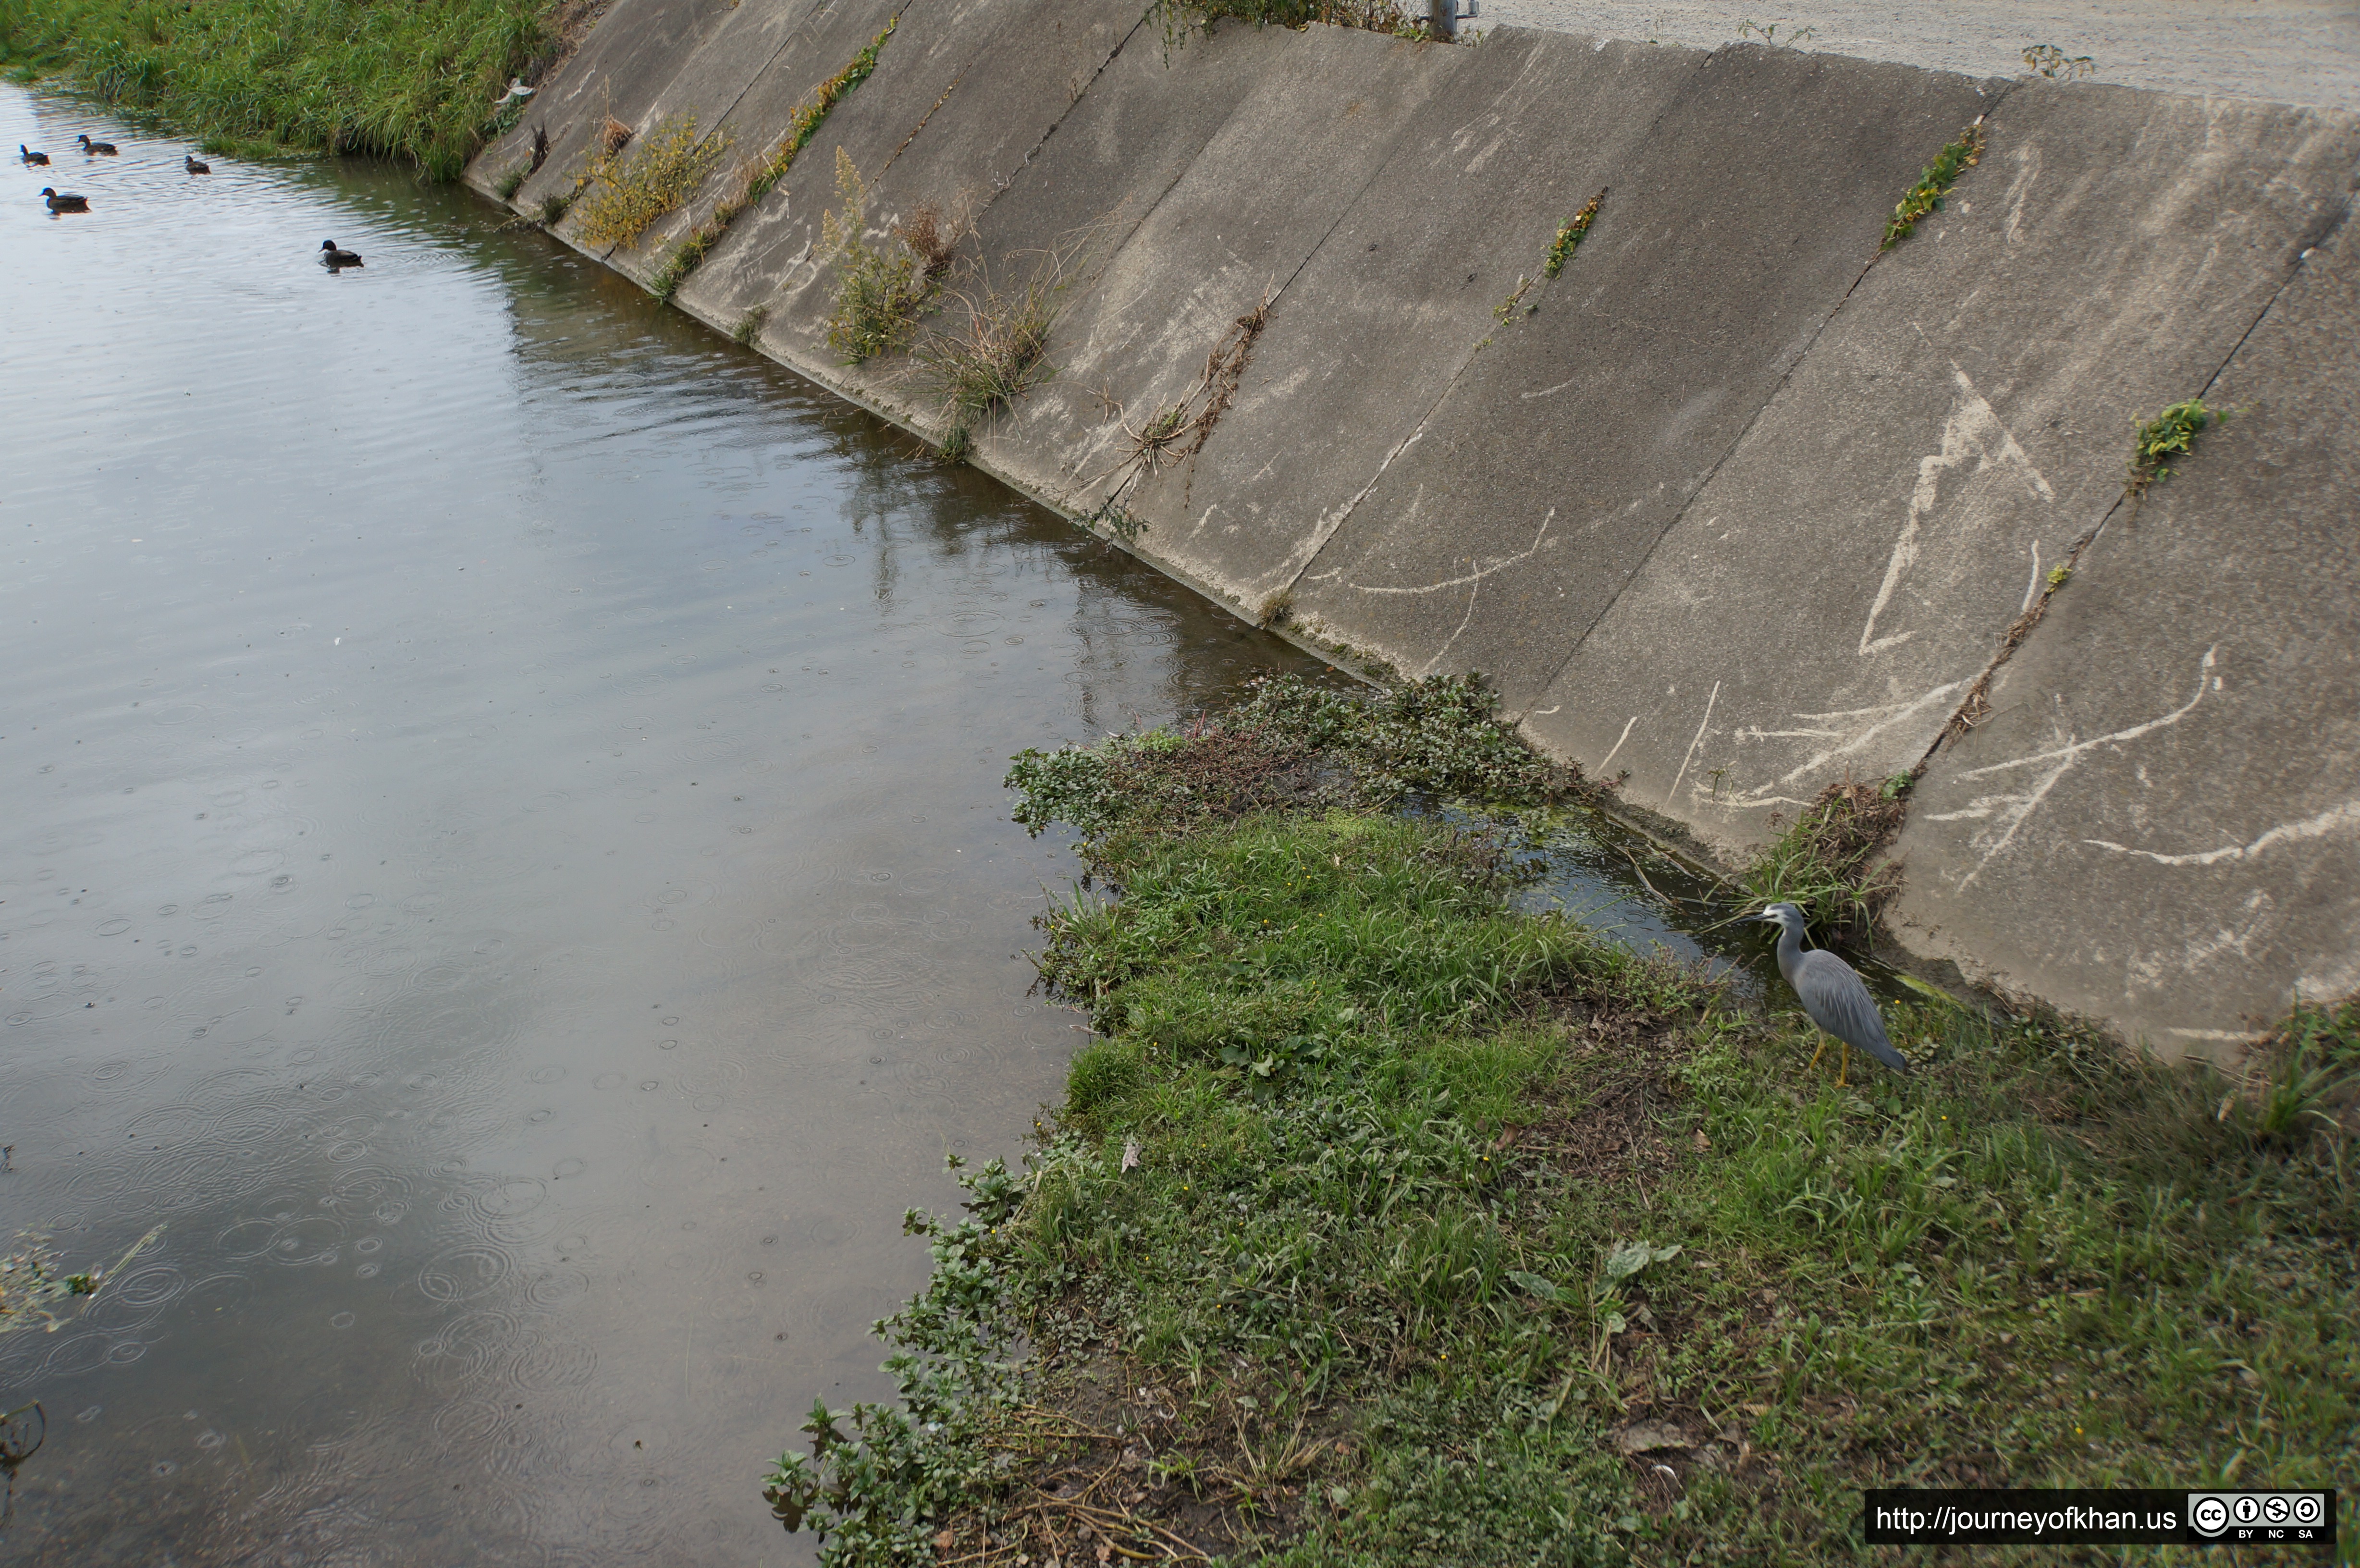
{"x":503,"y":856}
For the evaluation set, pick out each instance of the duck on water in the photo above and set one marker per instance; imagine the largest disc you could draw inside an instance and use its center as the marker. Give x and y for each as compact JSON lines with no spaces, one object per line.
{"x":66,"y":204}
{"x":334,"y":256}
{"x":30,"y":157}
{"x":99,"y":149}
{"x":194,"y":167}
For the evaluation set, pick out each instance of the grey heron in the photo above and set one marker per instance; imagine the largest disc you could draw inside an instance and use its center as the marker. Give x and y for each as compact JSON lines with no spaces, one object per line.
{"x":1832,"y":993}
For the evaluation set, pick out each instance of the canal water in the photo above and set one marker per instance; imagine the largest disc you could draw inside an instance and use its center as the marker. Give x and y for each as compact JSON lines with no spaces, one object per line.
{"x":504,"y":860}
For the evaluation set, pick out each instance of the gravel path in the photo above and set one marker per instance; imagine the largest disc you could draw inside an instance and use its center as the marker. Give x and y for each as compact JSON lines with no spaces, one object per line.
{"x":2295,"y":51}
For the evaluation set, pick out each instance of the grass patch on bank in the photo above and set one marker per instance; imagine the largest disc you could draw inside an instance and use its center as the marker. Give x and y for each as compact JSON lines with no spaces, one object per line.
{"x":1383,"y":1224}
{"x":417,"y":81}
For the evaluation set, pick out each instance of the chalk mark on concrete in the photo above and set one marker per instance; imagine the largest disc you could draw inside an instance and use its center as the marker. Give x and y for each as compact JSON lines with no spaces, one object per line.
{"x":1973,"y":429}
{"x":1618,"y":741}
{"x":1841,"y":726}
{"x":2012,"y":811}
{"x":1671,"y":793}
{"x":2336,"y":819}
{"x":1476,"y":575}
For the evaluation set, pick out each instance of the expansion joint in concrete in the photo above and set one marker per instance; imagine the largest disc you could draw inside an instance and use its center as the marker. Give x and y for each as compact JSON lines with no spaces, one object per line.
{"x":1975,"y":707}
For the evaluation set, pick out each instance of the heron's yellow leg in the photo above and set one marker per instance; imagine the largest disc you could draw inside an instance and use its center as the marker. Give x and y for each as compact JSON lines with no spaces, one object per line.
{"x":1845,"y":1070}
{"x":1816,"y":1054}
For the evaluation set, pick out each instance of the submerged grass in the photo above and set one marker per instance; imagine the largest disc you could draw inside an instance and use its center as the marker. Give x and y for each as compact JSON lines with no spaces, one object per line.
{"x":419,"y":81}
{"x":1382,"y":1224}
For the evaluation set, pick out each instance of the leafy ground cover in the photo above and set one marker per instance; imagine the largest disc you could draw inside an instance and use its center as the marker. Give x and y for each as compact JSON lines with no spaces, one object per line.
{"x":1383,"y":1225}
{"x":421,"y":80}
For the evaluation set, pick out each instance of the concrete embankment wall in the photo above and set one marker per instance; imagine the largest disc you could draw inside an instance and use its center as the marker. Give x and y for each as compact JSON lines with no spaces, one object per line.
{"x":1735,"y":505}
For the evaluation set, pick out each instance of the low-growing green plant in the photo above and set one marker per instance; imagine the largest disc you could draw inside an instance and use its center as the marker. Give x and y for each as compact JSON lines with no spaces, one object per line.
{"x":1289,"y":744}
{"x":622,"y":195}
{"x":2049,"y":60}
{"x":417,"y":81}
{"x":957,"y":441}
{"x":1934,"y":184}
{"x":749,"y":325}
{"x":1568,"y":236}
{"x":1383,"y":1225}
{"x":2169,"y":436}
{"x":553,"y":208}
{"x":511,"y":181}
{"x":1828,"y":861}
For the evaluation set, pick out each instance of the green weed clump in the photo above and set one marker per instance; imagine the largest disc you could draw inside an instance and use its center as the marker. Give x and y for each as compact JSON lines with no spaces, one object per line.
{"x":1827,"y":861}
{"x":623,"y":195}
{"x":756,"y":179}
{"x":2171,"y":435}
{"x":1934,"y":184}
{"x":417,"y":81}
{"x":1568,"y":236}
{"x":880,"y":290}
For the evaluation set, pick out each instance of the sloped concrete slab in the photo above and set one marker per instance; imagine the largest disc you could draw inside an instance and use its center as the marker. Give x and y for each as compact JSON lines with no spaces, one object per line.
{"x":2159,"y":822}
{"x":1536,"y":491}
{"x":636,"y":49}
{"x":1401,"y":294}
{"x":1268,"y":187}
{"x":962,"y":96}
{"x":821,"y":43}
{"x":1963,"y":421}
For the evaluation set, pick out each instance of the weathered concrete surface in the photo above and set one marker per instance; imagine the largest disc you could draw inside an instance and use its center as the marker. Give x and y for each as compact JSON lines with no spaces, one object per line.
{"x":1545,"y":476}
{"x":2159,"y":822}
{"x":1958,"y":427}
{"x":1239,"y":225}
{"x":1377,"y":327}
{"x":1741,"y":508}
{"x":971,"y":90}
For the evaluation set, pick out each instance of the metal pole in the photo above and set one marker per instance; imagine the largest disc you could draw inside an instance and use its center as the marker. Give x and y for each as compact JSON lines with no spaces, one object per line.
{"x":1445,"y":19}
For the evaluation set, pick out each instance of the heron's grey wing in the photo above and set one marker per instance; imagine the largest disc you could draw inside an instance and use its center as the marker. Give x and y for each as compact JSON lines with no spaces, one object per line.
{"x":1838,"y":1000}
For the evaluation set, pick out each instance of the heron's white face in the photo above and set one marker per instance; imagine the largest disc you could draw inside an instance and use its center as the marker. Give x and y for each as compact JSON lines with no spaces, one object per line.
{"x":1786,"y":916}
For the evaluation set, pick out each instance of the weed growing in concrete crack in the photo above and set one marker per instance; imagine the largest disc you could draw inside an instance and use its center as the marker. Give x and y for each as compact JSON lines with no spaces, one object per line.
{"x":756,"y":177}
{"x":1110,"y":516}
{"x":1179,"y":17}
{"x":749,"y":325}
{"x":999,"y":354}
{"x":1926,"y":196}
{"x":881,"y":289}
{"x":956,"y":444}
{"x":1568,"y":236}
{"x":1277,"y":608}
{"x":2058,"y":577}
{"x":624,"y":196}
{"x":1824,"y":861}
{"x":511,"y":181}
{"x":2049,"y":60}
{"x":553,"y":210}
{"x":2169,"y":435}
